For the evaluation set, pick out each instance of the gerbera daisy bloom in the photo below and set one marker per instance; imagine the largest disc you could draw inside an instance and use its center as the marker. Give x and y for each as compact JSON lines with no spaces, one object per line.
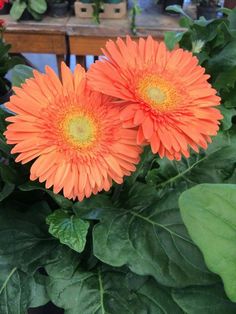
{"x":166,"y":94}
{"x":74,"y":134}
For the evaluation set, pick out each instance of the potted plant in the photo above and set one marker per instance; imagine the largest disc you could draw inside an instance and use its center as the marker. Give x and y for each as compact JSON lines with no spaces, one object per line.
{"x":26,"y":9}
{"x":111,"y":9}
{"x":58,"y":8}
{"x":4,"y":7}
{"x":207,"y":8}
{"x":162,"y":239}
{"x":6,"y":63}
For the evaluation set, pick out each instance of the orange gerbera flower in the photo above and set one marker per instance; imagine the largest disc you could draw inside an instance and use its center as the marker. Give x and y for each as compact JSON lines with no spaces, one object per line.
{"x":167,"y":95}
{"x":74,"y":134}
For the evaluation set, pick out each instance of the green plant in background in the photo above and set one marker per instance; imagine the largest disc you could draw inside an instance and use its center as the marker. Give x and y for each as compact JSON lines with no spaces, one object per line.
{"x":209,"y":210}
{"x":7,"y":62}
{"x":35,"y":8}
{"x":136,"y":9}
{"x":97,"y":8}
{"x":128,"y":250}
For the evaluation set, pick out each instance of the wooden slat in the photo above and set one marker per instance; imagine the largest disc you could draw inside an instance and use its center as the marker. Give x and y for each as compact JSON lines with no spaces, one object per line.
{"x":36,"y":43}
{"x":80,"y":45}
{"x":90,"y":45}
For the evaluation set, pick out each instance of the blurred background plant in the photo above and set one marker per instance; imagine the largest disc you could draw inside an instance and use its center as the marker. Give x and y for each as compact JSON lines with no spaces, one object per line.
{"x":7,"y":62}
{"x":58,"y":8}
{"x":28,"y":9}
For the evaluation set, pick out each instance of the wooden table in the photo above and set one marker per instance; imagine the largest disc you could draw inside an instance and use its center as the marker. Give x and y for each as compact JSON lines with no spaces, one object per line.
{"x":46,"y":36}
{"x":87,"y":37}
{"x":81,"y":37}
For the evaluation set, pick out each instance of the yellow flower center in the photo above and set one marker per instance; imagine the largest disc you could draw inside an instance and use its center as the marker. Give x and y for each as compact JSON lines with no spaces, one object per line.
{"x":79,"y":129}
{"x":158,"y":93}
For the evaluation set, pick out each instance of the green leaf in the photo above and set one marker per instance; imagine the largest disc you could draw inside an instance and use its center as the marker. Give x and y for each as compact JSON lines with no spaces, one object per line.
{"x":226,"y":80}
{"x":3,"y":116}
{"x":36,"y":16}
{"x":19,"y":291}
{"x":228,"y":114}
{"x":151,"y":240}
{"x":224,"y":60}
{"x":215,"y":165}
{"x":8,"y":174}
{"x":24,"y":240}
{"x":107,"y":290}
{"x":172,"y":39}
{"x":145,"y":164}
{"x":91,"y":208}
{"x":17,"y":9}
{"x":205,"y":300}
{"x":178,"y":9}
{"x":20,"y":73}
{"x":39,"y":294}
{"x":7,"y":189}
{"x":60,"y":200}
{"x":64,"y":263}
{"x":232,"y":18}
{"x":69,"y":229}
{"x":39,"y":6}
{"x":209,"y":212}
{"x":4,"y":147}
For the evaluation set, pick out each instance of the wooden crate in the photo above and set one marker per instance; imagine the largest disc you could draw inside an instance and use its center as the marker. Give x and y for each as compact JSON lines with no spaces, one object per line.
{"x":110,"y":10}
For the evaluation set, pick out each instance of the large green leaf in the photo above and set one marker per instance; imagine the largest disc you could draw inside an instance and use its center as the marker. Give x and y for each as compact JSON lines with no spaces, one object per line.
{"x":36,"y":16}
{"x":215,"y":165}
{"x":17,"y":9}
{"x":60,"y":200}
{"x":151,"y":239}
{"x":107,"y":290}
{"x":172,"y":39}
{"x":232,"y":19}
{"x":177,"y":9}
{"x":228,"y":116}
{"x":9,"y":174}
{"x":20,"y":73}
{"x":6,"y":190}
{"x":205,"y":300}
{"x":24,"y":240}
{"x":226,"y":79}
{"x":209,"y":212}
{"x":64,"y":263}
{"x":69,"y":229}
{"x":39,"y":6}
{"x":19,"y":291}
{"x":225,"y":59}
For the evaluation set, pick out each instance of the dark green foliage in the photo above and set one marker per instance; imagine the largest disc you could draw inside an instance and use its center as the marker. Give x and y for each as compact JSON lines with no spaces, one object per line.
{"x":35,"y":8}
{"x":135,"y":254}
